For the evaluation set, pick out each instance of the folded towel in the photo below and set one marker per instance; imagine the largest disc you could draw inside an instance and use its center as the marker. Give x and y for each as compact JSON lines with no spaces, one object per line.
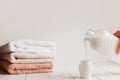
{"x":43,"y":65}
{"x":17,"y":55}
{"x":29,"y":71}
{"x":25,"y":58}
{"x":30,"y":46}
{"x":26,"y":68}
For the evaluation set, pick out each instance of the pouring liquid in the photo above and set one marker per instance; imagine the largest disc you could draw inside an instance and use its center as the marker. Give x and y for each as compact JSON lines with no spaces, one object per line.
{"x":86,"y":53}
{"x":85,"y":66}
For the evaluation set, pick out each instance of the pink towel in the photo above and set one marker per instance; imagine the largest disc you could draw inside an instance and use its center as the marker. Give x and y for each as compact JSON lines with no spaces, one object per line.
{"x":27,"y":57}
{"x":26,"y":68}
{"x":30,"y":71}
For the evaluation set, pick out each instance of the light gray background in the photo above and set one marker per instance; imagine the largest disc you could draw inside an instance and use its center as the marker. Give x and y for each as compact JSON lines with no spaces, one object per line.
{"x":62,"y":21}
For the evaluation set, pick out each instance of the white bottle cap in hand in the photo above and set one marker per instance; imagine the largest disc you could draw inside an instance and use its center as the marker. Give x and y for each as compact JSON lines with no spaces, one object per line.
{"x":85,"y":68}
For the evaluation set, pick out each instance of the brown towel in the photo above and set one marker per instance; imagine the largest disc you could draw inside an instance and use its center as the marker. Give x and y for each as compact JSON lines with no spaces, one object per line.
{"x":26,"y":68}
{"x":29,"y":71}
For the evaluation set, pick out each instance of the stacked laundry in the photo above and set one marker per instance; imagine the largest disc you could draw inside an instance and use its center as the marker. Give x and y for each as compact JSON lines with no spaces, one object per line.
{"x":27,"y":56}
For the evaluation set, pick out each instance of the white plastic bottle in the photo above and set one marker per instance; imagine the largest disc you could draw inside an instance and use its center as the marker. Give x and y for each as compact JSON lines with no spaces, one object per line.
{"x":104,"y":43}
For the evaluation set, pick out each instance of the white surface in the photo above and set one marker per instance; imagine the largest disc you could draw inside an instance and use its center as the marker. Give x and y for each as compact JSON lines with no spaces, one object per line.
{"x":106,"y":70}
{"x":62,"y":21}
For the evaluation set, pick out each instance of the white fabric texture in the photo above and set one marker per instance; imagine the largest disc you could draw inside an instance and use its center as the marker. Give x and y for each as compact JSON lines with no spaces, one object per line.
{"x":30,"y":46}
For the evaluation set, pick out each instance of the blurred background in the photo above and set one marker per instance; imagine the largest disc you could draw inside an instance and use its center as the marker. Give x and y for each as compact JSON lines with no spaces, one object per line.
{"x":62,"y":21}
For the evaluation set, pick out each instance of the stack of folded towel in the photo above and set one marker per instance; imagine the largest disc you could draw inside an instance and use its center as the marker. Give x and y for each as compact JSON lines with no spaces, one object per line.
{"x":27,"y":56}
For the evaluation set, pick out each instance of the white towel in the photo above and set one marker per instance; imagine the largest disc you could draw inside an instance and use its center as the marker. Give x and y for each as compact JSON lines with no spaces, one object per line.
{"x":30,"y":46}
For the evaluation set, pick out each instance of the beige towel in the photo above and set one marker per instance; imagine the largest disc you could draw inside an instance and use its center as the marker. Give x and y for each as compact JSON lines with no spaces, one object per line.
{"x":26,"y":57}
{"x":26,"y":68}
{"x":42,"y":65}
{"x":29,"y":71}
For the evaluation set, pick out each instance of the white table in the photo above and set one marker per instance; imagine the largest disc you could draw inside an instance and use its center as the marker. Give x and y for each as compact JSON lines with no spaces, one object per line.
{"x":102,"y":71}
